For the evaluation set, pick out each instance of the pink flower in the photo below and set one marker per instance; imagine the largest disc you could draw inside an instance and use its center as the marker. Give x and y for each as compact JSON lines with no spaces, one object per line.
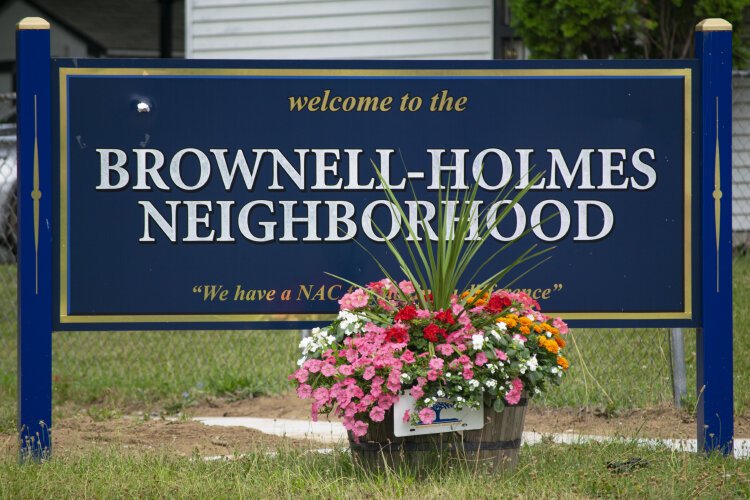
{"x":432,"y":375}
{"x":423,"y":314}
{"x":304,"y":391}
{"x":416,"y":392}
{"x":346,"y":370}
{"x":328,"y":370}
{"x":520,"y":338}
{"x":480,"y":359}
{"x":355,"y":300}
{"x":560,"y":325}
{"x":369,"y":373}
{"x":394,"y":381}
{"x":320,"y":395}
{"x":385,"y":305}
{"x":407,"y":357}
{"x":427,"y":416}
{"x":468,"y":374}
{"x":406,"y":287}
{"x":444,"y":349}
{"x":386,"y":284}
{"x":372,"y":328}
{"x":377,"y":414}
{"x":301,"y":375}
{"x":313,"y":365}
{"x":405,"y":418}
{"x":359,"y":428}
{"x":436,"y":363}
{"x":514,"y":394}
{"x":501,"y":355}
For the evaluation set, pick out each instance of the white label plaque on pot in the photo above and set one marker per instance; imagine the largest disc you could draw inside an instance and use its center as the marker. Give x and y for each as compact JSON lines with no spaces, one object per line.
{"x":447,"y":418}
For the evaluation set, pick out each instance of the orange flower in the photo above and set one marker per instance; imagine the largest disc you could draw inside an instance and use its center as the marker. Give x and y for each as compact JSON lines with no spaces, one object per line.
{"x":563,"y":362}
{"x":560,"y":341}
{"x":549,"y":344}
{"x":525,"y":330}
{"x":537,"y":329}
{"x":524,"y":321}
{"x":478,"y":299}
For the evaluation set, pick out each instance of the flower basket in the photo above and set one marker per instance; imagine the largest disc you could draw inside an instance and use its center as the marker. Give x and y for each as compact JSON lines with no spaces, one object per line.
{"x":490,"y":350}
{"x":494,"y":448}
{"x":484,"y":348}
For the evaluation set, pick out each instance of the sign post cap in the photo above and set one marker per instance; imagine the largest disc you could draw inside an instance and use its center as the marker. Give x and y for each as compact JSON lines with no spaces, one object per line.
{"x":32,"y":23}
{"x":714,"y":24}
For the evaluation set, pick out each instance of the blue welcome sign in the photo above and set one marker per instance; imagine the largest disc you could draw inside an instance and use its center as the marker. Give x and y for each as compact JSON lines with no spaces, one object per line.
{"x":199,"y":172}
{"x":188,"y":194}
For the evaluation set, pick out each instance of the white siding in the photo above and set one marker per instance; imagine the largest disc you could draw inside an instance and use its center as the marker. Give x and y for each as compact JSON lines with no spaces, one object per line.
{"x":339,"y":29}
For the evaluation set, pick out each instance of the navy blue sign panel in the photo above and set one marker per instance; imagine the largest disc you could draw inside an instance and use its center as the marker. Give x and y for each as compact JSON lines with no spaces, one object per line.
{"x":223,"y":192}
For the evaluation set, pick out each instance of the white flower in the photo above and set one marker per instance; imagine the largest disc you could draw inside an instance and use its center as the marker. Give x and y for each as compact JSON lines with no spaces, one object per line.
{"x":459,"y":398}
{"x":458,"y":388}
{"x":491,"y":383}
{"x":533,"y":364}
{"x":448,"y":375}
{"x":473,"y":383}
{"x":549,"y":335}
{"x":441,"y":394}
{"x":501,"y":327}
{"x":350,"y":322}
{"x":554,"y":369}
{"x":477,"y":341}
{"x":405,"y":377}
{"x":530,"y":317}
{"x":492,"y":368}
{"x":537,"y":390}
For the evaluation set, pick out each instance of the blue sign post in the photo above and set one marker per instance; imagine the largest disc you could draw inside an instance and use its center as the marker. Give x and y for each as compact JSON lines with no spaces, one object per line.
{"x":715,"y":418}
{"x":34,"y":238}
{"x":215,"y":194}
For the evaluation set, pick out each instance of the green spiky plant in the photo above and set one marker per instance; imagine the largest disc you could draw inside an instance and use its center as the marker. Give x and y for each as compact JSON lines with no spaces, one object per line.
{"x":439,"y":271}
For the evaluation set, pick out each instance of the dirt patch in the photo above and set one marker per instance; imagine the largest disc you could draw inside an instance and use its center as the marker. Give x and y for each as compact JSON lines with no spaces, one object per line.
{"x":663,"y":422}
{"x":81,"y":434}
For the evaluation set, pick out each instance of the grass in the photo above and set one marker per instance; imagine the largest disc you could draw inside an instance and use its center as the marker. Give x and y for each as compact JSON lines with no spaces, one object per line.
{"x":108,"y":372}
{"x":544,"y":471}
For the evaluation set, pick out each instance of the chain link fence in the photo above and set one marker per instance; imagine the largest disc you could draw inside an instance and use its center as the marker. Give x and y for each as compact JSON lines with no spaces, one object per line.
{"x":610,"y":369}
{"x":741,"y":159}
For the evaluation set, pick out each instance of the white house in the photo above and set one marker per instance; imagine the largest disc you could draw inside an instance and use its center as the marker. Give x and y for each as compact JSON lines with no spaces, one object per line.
{"x":348,"y":29}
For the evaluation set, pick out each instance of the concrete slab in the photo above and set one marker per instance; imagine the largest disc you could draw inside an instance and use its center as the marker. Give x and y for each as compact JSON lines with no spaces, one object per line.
{"x":334,"y":432}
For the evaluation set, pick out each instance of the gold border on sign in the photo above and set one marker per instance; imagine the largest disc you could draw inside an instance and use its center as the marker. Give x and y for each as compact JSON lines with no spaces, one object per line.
{"x":64,"y":73}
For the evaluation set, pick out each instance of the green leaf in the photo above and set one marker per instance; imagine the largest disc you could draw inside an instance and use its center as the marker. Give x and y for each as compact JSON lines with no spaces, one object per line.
{"x":498,"y":405}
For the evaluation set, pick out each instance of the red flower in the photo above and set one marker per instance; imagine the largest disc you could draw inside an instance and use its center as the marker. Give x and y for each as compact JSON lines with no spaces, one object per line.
{"x":432,"y":331}
{"x":446,"y":317}
{"x":497,"y":304}
{"x":406,"y":314}
{"x":397,"y":334}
